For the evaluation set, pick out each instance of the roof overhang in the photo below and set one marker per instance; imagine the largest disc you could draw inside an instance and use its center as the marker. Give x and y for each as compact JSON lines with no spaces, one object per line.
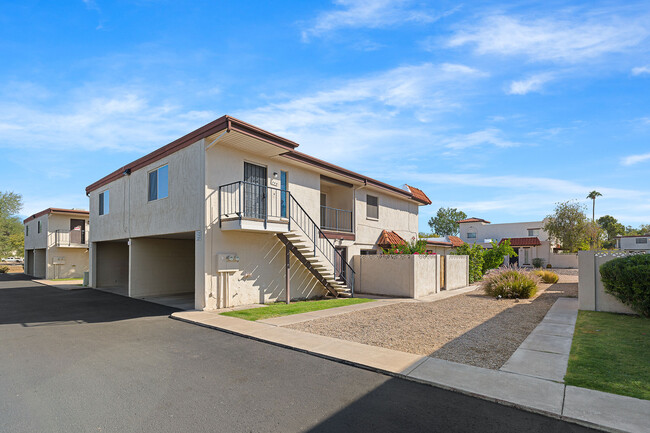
{"x":57,"y":211}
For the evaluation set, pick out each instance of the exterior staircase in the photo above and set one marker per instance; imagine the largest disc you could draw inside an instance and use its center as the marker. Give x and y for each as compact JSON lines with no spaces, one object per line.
{"x":303,"y":249}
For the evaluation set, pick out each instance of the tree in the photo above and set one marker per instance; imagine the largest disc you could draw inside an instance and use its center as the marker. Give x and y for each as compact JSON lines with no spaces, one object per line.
{"x":612,"y":227}
{"x":11,"y":228}
{"x":445,"y":222}
{"x":475,"y":253}
{"x":595,"y":237}
{"x":493,"y":258}
{"x":568,"y":225}
{"x":592,"y":195}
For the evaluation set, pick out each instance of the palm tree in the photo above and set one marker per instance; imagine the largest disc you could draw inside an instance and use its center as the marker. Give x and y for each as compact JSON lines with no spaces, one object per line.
{"x":592,"y":195}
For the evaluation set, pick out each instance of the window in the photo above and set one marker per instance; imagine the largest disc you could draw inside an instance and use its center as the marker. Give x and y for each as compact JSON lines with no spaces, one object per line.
{"x":40,"y":227}
{"x":641,"y":240}
{"x":104,"y":203}
{"x":526,"y":260}
{"x":368,"y":252}
{"x":284,"y":197}
{"x":533,"y":232}
{"x":158,"y":183}
{"x":26,"y":230}
{"x":372,"y":207}
{"x":471,"y":235}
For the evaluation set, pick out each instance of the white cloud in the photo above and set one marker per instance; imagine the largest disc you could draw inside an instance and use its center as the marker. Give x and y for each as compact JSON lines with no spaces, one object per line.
{"x":569,"y":40}
{"x":377,"y":109}
{"x":635,"y":159}
{"x":641,"y":70}
{"x":490,"y":136}
{"x":123,"y":120}
{"x":531,"y":84}
{"x":368,"y":14}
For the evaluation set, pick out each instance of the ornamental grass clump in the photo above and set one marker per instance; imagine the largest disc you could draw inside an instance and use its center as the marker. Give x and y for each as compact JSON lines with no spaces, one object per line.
{"x":548,"y":277}
{"x":510,"y":283}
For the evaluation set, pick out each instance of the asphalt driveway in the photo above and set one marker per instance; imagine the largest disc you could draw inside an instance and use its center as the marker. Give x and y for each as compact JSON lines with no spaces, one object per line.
{"x":89,"y":361}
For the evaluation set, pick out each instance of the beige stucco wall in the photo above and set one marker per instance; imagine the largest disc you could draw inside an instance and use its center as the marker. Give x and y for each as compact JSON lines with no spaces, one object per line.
{"x":75,"y":262}
{"x":132,"y":215}
{"x":161,"y":266}
{"x":35,"y":239}
{"x":591,"y":292}
{"x":440,"y":250}
{"x":40,"y":263}
{"x":629,"y":243}
{"x":563,"y":260}
{"x":456,"y":272}
{"x":406,"y":276}
{"x":113,"y":270}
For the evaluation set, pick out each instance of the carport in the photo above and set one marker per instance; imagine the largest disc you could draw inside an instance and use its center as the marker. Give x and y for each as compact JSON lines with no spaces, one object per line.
{"x":112,"y":269}
{"x":162,"y":269}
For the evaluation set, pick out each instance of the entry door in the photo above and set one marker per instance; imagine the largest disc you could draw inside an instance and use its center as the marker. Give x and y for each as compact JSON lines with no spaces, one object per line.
{"x":514,"y":261}
{"x":77,"y":231}
{"x":340,"y":261}
{"x":254,"y":191}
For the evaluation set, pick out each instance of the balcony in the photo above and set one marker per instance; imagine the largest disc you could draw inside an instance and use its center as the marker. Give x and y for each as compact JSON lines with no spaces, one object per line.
{"x":338,"y":220}
{"x":70,"y":238}
{"x":253,"y":207}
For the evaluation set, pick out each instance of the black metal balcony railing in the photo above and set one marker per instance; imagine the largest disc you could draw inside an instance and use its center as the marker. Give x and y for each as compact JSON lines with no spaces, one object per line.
{"x":339,"y":220}
{"x":250,"y":200}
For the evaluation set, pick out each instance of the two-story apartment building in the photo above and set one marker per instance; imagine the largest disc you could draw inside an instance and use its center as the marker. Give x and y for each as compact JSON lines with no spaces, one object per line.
{"x":56,"y":243}
{"x":528,"y":239}
{"x":633,"y":243}
{"x":236,"y":215}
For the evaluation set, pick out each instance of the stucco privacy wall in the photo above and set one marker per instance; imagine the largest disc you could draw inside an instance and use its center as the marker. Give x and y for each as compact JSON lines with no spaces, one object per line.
{"x":563,"y":260}
{"x":260,"y":273}
{"x":161,"y":266}
{"x":114,"y":268}
{"x":406,"y":276}
{"x":456,"y":272}
{"x":591,"y":292}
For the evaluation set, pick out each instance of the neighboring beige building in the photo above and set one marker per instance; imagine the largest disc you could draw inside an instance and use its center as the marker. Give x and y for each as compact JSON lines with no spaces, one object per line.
{"x":633,"y":243}
{"x":56,"y":243}
{"x":443,"y":245}
{"x":219,"y":213}
{"x":528,"y":239}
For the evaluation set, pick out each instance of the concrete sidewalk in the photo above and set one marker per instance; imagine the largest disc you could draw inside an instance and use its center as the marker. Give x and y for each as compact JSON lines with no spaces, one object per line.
{"x":537,"y":388}
{"x":63,"y":284}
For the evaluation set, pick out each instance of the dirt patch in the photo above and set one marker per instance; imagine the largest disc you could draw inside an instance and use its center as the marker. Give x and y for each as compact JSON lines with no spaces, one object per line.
{"x":13,"y":268}
{"x":470,"y":328}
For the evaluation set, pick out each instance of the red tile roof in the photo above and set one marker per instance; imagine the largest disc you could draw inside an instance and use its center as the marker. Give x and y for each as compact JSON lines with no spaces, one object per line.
{"x":473,"y":220}
{"x":523,"y":242}
{"x":388,"y":239}
{"x":455,"y":241}
{"x":419,"y":195}
{"x":56,"y":210}
{"x":439,"y":243}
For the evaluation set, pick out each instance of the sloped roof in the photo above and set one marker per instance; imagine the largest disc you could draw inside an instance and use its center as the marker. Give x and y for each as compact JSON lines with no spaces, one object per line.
{"x":455,"y":240}
{"x":473,"y":220}
{"x":418,"y":195}
{"x":523,"y":242}
{"x":388,"y":239}
{"x":439,"y":242}
{"x":56,"y":210}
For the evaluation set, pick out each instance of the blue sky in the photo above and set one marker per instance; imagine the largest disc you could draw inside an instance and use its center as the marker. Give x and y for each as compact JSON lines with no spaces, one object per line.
{"x":499,"y":109}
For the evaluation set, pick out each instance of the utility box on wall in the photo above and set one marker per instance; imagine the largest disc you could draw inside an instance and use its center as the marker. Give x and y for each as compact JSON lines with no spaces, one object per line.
{"x":227,"y":262}
{"x":58,"y":260}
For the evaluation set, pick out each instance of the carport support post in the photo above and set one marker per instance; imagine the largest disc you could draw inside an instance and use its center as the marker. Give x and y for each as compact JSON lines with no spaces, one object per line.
{"x":288,"y":273}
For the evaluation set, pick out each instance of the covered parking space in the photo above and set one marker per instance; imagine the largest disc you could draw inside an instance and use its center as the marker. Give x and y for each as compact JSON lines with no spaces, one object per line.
{"x":112,"y":266}
{"x":162,"y":269}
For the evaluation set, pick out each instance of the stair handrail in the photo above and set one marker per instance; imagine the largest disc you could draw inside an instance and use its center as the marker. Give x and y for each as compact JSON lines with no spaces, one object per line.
{"x":318,"y":234}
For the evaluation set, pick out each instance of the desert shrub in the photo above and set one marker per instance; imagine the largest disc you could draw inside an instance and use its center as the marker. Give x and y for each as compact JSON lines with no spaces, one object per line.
{"x":412,"y":247}
{"x":4,"y":269}
{"x":548,"y":277}
{"x":493,"y":257}
{"x":538,"y":262}
{"x":628,"y":279}
{"x":510,"y":283}
{"x":475,"y":253}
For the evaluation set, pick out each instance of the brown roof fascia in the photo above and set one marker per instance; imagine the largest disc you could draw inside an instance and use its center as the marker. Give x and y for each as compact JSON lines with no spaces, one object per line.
{"x":55,"y":210}
{"x":224,"y":122}
{"x":319,"y":163}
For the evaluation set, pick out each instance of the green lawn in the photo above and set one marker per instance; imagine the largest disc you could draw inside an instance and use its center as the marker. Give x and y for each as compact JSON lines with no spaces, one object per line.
{"x":282,"y":309}
{"x":611,"y":353}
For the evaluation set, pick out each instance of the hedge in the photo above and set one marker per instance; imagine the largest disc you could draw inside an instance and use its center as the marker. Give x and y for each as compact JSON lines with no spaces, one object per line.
{"x":628,"y":279}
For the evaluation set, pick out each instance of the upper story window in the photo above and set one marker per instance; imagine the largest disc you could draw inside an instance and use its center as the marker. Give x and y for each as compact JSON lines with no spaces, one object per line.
{"x":533,"y":232}
{"x":471,"y":235}
{"x":158,"y":183}
{"x":641,"y":240}
{"x":26,"y":230}
{"x":372,"y":207}
{"x":104,"y":203}
{"x":39,"y":227}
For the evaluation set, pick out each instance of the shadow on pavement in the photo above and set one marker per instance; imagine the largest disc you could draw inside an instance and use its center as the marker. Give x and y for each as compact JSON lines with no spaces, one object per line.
{"x":23,"y":301}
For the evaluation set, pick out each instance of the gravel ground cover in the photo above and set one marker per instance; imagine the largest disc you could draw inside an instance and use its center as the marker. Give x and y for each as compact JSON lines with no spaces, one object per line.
{"x":471,"y":328}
